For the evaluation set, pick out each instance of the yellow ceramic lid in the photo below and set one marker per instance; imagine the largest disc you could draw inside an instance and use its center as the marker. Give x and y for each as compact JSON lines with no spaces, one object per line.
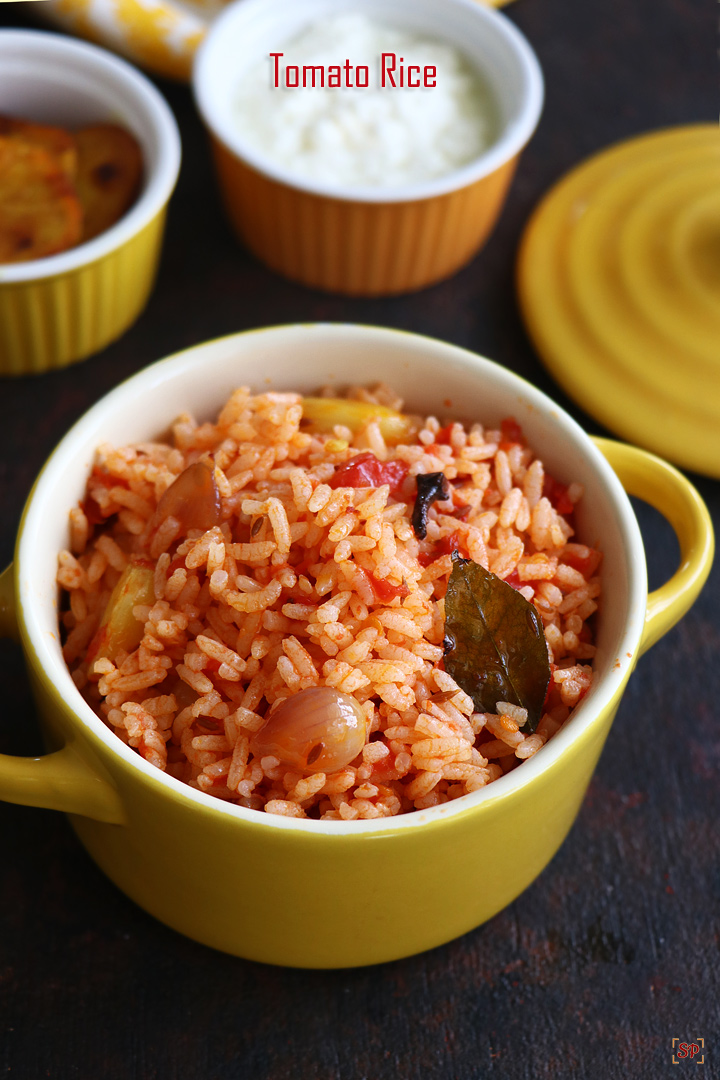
{"x":619,"y":285}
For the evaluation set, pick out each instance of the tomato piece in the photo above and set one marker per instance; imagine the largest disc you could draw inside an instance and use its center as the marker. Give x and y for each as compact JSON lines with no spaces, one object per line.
{"x":513,"y":579}
{"x":582,"y":558}
{"x":364,"y":470}
{"x":557,"y":493}
{"x":447,"y":544}
{"x":302,"y":566}
{"x":443,"y":435}
{"x":381,"y":772}
{"x":90,"y":506}
{"x":511,"y":434}
{"x":91,"y":509}
{"x":444,"y":546}
{"x":393,"y":474}
{"x":386,"y":592}
{"x":108,"y":481}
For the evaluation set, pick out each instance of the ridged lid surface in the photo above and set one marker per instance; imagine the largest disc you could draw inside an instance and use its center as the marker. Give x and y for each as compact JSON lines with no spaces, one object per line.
{"x":619,"y":285}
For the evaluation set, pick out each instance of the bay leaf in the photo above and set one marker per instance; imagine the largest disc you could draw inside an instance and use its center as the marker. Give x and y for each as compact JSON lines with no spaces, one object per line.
{"x":495,"y":646}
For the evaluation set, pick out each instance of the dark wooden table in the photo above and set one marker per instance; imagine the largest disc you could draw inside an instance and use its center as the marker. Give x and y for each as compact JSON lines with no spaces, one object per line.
{"x":613,"y":952}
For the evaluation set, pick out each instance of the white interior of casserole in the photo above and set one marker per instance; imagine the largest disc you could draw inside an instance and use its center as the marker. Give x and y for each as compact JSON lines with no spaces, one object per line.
{"x":303,"y":358}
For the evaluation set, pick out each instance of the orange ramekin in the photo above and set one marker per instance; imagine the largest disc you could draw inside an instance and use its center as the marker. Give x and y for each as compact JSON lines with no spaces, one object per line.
{"x":367,"y":241}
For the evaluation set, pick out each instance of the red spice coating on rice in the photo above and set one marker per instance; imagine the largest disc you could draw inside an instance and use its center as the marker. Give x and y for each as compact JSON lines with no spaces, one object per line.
{"x":308,"y":581}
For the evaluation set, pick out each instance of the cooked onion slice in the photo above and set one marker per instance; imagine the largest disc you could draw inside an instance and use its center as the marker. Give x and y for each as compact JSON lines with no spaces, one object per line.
{"x":119,"y":630}
{"x":192,"y":498}
{"x":316,"y":730}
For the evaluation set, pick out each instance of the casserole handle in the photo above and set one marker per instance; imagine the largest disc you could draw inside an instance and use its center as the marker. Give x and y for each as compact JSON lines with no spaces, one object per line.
{"x":64,"y":780}
{"x":658,"y":483}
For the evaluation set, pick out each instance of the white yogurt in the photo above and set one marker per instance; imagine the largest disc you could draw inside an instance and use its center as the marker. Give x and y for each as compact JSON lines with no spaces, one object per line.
{"x":366,"y":136}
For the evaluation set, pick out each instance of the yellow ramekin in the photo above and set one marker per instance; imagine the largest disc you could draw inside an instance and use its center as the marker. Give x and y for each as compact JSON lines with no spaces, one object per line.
{"x":162,"y":38}
{"x":331,"y":893}
{"x":57,"y":310}
{"x":365,"y":241}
